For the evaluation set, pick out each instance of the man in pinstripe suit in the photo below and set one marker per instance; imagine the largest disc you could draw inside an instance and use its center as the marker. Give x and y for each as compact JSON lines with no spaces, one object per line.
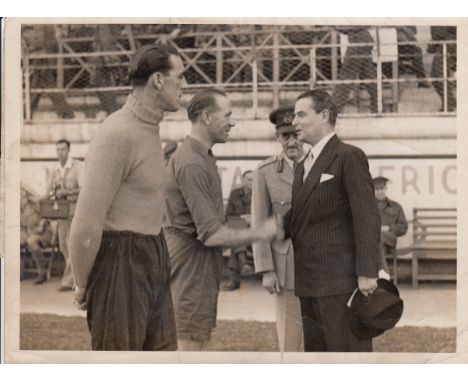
{"x":334,"y":225}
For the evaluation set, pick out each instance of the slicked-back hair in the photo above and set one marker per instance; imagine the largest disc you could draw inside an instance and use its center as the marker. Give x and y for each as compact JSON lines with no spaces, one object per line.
{"x":203,"y":100}
{"x":322,"y":101}
{"x":246,"y":172}
{"x":63,"y":142}
{"x":150,"y":59}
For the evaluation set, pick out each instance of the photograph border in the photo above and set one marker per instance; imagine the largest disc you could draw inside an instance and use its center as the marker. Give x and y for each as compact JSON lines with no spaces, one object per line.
{"x":12,"y":140}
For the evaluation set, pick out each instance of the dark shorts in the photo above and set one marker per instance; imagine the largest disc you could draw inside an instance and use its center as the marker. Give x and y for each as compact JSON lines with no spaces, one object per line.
{"x":195,"y":279}
{"x":129,"y":297}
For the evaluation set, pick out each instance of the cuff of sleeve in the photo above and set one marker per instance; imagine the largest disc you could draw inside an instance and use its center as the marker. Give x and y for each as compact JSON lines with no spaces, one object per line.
{"x":208,"y":230}
{"x":265,"y":267}
{"x":263,"y":271}
{"x":368,"y":271}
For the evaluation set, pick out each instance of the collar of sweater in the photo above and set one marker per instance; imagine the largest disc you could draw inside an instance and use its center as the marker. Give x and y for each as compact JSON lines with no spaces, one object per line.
{"x":153,"y":117}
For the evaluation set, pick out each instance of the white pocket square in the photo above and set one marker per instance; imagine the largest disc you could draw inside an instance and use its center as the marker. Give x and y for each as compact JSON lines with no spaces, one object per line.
{"x":325,"y":177}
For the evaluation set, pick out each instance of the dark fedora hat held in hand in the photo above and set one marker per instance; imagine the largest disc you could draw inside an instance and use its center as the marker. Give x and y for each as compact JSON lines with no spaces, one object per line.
{"x":380,"y":311}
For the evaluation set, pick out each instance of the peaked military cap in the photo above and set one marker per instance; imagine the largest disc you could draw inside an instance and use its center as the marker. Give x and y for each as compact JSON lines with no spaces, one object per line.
{"x":380,"y":180}
{"x":282,"y":119}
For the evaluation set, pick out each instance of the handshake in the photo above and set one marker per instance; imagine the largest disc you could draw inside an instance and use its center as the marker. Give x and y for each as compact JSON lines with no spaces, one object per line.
{"x":270,"y":229}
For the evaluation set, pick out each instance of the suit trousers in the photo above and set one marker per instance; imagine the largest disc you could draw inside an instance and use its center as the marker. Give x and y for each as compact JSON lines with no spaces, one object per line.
{"x":288,"y":321}
{"x":326,"y":324}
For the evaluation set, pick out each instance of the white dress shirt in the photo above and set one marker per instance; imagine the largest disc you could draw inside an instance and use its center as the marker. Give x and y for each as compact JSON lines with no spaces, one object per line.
{"x":62,"y":170}
{"x":315,"y":151}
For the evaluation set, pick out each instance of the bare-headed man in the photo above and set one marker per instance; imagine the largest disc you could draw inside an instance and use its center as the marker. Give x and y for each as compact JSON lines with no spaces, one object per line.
{"x":195,"y":229}
{"x":119,"y":255}
{"x":64,"y":182}
{"x":334,"y":225}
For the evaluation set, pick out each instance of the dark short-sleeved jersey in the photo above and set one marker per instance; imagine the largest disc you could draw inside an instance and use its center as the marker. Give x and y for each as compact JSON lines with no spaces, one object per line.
{"x":193,"y":201}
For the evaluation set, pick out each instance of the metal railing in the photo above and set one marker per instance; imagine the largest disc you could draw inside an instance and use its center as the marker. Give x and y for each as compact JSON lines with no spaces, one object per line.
{"x":247,"y":59}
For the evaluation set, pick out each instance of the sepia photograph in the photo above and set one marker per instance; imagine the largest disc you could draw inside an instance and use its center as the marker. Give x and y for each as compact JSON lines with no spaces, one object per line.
{"x":191,"y":187}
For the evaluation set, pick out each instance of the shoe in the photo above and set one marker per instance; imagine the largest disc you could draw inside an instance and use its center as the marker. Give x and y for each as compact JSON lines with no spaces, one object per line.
{"x":64,"y":288}
{"x":231,"y":285}
{"x":41,"y":280}
{"x":246,"y":270}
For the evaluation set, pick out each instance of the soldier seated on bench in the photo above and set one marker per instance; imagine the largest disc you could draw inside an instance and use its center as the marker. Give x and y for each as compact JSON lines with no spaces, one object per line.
{"x":392,"y":218}
{"x":36,"y":233}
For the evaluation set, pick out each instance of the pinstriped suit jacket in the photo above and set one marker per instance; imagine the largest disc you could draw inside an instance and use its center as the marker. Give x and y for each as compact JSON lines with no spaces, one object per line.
{"x":335,"y":224}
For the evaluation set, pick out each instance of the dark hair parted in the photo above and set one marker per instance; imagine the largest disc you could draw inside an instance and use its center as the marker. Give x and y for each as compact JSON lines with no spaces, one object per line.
{"x":246,"y":173}
{"x":63,"y":142}
{"x":150,"y":59}
{"x":201,"y":101}
{"x":322,"y":101}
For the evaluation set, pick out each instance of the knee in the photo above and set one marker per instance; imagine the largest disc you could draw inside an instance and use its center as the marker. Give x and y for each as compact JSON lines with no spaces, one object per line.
{"x":33,"y":242}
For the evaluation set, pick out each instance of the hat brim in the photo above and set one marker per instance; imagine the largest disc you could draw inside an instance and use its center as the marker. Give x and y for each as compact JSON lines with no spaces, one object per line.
{"x":363,"y":331}
{"x":285,"y":129}
{"x":368,"y":330}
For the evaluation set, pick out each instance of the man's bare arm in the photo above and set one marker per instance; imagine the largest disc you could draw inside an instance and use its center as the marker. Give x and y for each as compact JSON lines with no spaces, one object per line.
{"x":105,"y":168}
{"x":228,"y":237}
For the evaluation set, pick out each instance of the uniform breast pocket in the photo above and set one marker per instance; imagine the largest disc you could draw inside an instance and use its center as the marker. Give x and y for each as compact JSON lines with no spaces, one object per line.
{"x":391,"y":211}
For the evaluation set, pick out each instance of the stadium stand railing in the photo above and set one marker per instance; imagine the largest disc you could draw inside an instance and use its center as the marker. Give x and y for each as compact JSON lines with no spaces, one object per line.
{"x":244,"y":58}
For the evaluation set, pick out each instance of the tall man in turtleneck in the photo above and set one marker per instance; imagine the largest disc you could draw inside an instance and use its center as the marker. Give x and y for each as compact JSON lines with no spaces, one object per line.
{"x":118,"y":252}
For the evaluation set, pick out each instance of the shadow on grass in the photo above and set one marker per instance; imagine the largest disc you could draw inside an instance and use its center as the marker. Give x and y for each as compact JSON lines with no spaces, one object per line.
{"x":52,"y":332}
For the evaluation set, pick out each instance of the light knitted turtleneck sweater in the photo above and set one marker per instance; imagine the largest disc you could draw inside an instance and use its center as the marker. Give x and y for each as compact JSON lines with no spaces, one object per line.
{"x":123,"y":188}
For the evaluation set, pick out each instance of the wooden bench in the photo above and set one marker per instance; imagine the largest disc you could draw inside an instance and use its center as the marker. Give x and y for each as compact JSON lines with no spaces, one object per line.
{"x":434,"y":240}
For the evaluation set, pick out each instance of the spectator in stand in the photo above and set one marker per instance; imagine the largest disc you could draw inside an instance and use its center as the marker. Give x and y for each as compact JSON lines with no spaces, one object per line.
{"x":357,"y":64}
{"x":444,"y":33}
{"x":41,"y":38}
{"x":106,"y":40}
{"x":411,"y":52}
{"x":36,"y":233}
{"x":238,"y":217}
{"x":205,"y":42}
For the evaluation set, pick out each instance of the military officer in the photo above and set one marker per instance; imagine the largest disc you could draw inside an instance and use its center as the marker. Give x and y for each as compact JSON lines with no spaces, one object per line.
{"x":271,"y":194}
{"x":393,"y":220}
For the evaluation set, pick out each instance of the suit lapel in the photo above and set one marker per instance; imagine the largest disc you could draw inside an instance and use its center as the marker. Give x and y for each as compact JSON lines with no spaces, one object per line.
{"x":302,"y":192}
